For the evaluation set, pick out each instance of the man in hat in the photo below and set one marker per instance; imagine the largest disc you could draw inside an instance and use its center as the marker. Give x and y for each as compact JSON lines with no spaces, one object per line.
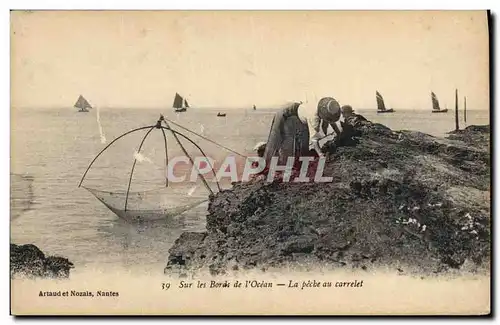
{"x":328,"y":115}
{"x":347,"y":111}
{"x":351,"y":118}
{"x":293,"y":133}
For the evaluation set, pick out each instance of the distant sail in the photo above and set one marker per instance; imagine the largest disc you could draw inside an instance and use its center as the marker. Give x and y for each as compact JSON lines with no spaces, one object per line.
{"x":435,"y":102}
{"x":380,"y":102}
{"x":82,"y":104}
{"x":178,"y":101}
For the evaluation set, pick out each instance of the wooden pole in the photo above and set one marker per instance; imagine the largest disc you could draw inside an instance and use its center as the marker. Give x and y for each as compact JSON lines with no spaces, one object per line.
{"x":465,"y":109}
{"x":457,"y":126}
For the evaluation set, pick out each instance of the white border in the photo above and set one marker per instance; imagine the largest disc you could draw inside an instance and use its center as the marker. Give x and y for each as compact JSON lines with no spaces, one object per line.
{"x":190,"y":5}
{"x":252,"y":5}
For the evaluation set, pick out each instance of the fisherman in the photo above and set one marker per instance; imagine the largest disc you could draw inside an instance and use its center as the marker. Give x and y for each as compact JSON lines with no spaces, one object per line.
{"x":347,"y":111}
{"x":352,"y":119}
{"x":293,"y":133}
{"x":350,"y":116}
{"x":328,"y":115}
{"x":356,"y":124}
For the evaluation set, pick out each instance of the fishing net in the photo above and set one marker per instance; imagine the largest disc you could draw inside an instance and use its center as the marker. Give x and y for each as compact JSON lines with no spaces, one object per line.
{"x":147,"y":205}
{"x":170,"y":200}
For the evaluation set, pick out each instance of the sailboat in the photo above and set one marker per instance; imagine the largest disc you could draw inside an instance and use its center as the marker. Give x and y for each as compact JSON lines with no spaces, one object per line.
{"x":82,"y":104}
{"x":221,"y":114}
{"x":180,"y":103}
{"x":381,"y":105}
{"x":435,"y":104}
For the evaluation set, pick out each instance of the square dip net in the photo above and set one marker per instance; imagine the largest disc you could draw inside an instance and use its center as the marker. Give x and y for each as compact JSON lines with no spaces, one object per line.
{"x":172,"y":198}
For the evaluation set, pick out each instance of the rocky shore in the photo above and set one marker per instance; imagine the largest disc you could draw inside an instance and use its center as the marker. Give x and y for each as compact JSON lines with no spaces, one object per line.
{"x":29,"y":261}
{"x":399,"y":199}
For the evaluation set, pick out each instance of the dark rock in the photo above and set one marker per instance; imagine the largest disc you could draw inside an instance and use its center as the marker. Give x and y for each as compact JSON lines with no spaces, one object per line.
{"x":185,"y":248}
{"x":397,"y":198}
{"x":29,"y":261}
{"x":302,"y":244}
{"x":476,"y":135}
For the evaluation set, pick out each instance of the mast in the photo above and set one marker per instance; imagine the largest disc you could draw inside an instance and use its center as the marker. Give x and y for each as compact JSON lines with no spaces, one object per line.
{"x":457,"y":126}
{"x":465,"y":109}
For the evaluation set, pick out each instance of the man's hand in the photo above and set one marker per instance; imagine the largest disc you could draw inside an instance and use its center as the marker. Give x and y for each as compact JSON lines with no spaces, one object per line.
{"x":317,"y":148}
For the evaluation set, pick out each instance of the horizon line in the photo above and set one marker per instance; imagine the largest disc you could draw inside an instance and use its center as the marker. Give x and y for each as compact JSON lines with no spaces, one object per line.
{"x":277,"y":107}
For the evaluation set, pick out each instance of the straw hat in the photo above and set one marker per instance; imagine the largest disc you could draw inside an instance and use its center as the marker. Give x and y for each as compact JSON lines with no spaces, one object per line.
{"x":329,"y":109}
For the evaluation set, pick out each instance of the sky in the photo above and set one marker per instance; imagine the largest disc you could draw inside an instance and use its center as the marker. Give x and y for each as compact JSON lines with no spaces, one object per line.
{"x":234,"y":59}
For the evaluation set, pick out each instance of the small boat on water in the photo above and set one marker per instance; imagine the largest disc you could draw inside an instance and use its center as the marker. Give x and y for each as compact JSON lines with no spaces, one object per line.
{"x":221,"y":114}
{"x":82,"y":104}
{"x":435,"y":104}
{"x":381,"y":105}
{"x":180,"y":104}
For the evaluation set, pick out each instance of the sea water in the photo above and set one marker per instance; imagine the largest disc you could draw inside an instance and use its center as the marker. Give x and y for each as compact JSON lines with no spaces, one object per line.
{"x":51,"y":149}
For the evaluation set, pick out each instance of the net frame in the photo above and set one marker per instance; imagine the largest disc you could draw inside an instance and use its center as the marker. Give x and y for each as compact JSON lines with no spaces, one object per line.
{"x":124,"y":213}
